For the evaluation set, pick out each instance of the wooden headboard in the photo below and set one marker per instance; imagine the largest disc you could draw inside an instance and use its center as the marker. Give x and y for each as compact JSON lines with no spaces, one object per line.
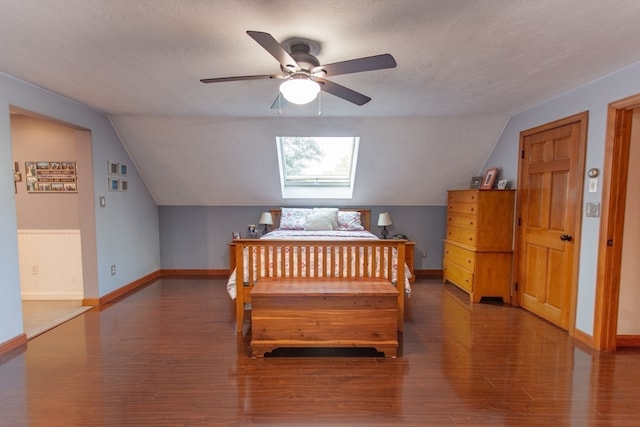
{"x":365,"y":217}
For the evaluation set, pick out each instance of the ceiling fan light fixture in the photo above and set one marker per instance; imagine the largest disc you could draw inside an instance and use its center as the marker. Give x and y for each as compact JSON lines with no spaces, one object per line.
{"x":299,"y":90}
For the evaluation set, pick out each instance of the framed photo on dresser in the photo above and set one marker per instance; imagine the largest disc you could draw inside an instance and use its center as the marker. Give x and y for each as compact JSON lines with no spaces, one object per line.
{"x":489,"y":179}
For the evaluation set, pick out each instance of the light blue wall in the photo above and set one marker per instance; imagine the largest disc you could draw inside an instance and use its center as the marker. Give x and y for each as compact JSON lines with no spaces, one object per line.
{"x":593,"y":98}
{"x":127,"y":229}
{"x":196,"y":237}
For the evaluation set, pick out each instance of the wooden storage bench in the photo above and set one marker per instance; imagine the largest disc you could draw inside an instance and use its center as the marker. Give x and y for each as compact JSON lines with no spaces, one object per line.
{"x":290,"y":312}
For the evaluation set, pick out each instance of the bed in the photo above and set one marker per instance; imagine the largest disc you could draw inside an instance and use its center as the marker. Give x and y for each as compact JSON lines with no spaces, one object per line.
{"x":302,"y":247}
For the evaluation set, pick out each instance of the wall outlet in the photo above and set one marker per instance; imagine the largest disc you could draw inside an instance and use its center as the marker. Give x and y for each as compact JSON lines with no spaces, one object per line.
{"x":34,"y":269}
{"x":113,"y":270}
{"x":424,"y":253}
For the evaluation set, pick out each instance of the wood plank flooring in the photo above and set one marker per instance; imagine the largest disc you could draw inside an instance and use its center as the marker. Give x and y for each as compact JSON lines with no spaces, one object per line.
{"x":168,"y":355}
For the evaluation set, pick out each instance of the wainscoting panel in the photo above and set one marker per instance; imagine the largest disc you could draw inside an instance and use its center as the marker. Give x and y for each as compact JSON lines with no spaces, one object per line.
{"x":50,"y":264}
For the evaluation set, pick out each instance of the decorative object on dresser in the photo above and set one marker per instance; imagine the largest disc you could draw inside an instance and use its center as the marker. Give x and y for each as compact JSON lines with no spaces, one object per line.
{"x":478,"y":248}
{"x":476,"y":181}
{"x":384,"y":219}
{"x":489,"y":178}
{"x":265,"y":219}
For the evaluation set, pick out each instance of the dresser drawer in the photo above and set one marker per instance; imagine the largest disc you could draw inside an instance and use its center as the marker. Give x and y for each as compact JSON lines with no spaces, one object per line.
{"x":460,"y":256}
{"x":461,"y":220}
{"x":464,"y":196}
{"x":466,"y":237}
{"x":458,"y":275}
{"x":462,"y":207}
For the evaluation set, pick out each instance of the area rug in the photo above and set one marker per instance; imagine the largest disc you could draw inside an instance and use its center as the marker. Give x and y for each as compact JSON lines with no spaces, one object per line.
{"x":42,"y":315}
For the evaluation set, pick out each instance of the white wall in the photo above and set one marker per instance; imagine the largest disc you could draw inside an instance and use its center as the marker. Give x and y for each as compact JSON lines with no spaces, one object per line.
{"x":126,"y":231}
{"x":594,"y":98}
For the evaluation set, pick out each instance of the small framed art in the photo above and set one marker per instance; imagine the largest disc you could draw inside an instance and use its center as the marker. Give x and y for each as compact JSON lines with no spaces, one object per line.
{"x":114,"y":184}
{"x":503,"y":184}
{"x":489,"y":178}
{"x":113,"y":168}
{"x":236,"y":235}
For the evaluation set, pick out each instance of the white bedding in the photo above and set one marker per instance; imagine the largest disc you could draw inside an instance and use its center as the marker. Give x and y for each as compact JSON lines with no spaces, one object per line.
{"x":279,"y":234}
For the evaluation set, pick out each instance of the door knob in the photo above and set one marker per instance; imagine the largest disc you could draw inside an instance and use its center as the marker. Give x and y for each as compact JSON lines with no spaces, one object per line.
{"x":566,"y":237}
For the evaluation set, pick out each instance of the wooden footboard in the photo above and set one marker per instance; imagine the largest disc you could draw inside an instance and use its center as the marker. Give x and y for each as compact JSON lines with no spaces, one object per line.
{"x":351,"y":260}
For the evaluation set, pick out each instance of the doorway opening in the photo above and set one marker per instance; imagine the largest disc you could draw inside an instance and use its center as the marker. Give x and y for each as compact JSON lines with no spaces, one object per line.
{"x":621,"y":134}
{"x":55,"y":218}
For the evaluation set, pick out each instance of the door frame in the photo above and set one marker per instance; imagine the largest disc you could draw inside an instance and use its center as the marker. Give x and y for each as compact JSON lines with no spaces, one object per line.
{"x":614,"y":197}
{"x":581,"y":118}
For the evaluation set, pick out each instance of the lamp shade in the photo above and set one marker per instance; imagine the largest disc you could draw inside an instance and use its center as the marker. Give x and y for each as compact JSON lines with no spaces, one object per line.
{"x":299,"y":90}
{"x":384,"y":219}
{"x":266,"y":219}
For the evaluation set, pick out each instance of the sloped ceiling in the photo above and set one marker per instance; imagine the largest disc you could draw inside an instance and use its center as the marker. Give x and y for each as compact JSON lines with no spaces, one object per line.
{"x":464,"y":67}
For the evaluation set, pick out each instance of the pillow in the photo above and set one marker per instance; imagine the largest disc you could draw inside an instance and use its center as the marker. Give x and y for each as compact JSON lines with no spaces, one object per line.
{"x":330,"y":213}
{"x":293,"y":218}
{"x":318,"y":222}
{"x":349,"y":221}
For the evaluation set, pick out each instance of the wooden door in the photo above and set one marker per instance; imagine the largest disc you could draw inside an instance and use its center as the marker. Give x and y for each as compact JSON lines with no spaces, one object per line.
{"x":549,"y":212}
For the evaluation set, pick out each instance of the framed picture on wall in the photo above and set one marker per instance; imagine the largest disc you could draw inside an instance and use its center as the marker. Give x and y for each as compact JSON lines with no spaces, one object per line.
{"x":124,"y":185}
{"x":113,"y":168}
{"x":123,"y":169}
{"x":489,"y":178}
{"x":114,"y":184}
{"x":51,"y":177}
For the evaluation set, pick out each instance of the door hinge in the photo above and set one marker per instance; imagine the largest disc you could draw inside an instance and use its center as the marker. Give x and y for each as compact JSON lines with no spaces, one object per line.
{"x":519,"y":221}
{"x":522,"y":154}
{"x":515,"y":286}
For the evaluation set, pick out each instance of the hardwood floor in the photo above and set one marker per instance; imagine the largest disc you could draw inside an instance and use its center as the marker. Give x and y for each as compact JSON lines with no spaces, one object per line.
{"x":168,"y":355}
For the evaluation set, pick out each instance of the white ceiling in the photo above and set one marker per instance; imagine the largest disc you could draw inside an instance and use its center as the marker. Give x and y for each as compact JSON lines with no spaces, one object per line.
{"x":140,"y":62}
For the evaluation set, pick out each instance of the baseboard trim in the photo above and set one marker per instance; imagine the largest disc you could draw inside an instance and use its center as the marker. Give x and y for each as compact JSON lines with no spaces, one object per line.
{"x":428,"y":274}
{"x":222,"y":274}
{"x":13,"y":343}
{"x":120,"y":292}
{"x":144,"y":281}
{"x":628,"y":341}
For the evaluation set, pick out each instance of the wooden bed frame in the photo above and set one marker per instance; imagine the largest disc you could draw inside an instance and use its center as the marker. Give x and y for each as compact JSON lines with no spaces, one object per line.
{"x":331,"y":279}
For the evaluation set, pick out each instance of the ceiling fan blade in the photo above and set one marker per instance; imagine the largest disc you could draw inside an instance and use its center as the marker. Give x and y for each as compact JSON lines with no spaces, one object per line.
{"x":272,"y":46}
{"x":370,"y":63}
{"x":236,"y":78}
{"x":342,"y":92}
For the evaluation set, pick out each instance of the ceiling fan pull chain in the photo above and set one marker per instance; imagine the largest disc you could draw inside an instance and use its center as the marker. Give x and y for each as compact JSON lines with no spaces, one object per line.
{"x":320,"y":103}
{"x":279,"y":103}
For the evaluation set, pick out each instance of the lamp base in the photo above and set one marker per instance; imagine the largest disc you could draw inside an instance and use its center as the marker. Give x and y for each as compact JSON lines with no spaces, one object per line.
{"x":384,"y":232}
{"x":265,"y":231}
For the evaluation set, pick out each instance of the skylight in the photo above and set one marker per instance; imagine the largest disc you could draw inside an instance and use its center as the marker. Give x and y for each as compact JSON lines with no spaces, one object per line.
{"x":317,"y":167}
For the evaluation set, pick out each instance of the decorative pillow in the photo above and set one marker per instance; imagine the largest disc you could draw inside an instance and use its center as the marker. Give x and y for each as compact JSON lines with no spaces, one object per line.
{"x":318,"y":222}
{"x":349,"y":221}
{"x":330,"y":213}
{"x":293,"y":218}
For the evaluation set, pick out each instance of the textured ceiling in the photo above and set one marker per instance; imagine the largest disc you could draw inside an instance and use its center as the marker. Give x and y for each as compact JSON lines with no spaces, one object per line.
{"x":142,"y":59}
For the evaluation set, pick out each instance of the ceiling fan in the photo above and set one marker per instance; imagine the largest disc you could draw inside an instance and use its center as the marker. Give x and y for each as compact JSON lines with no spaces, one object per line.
{"x":301,"y":69}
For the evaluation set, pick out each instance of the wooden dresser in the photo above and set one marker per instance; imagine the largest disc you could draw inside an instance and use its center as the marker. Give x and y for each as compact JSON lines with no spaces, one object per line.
{"x":478,"y":245}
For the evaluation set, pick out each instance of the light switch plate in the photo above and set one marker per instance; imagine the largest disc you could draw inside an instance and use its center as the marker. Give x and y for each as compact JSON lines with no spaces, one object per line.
{"x":593,"y":185}
{"x":103,"y":202}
